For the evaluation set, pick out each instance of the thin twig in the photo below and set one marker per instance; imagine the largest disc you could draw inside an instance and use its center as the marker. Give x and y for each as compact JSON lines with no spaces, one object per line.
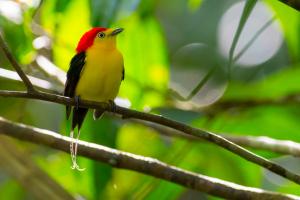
{"x":16,"y":66}
{"x":146,"y":165}
{"x":255,"y":36}
{"x":248,"y":7}
{"x":129,"y":113}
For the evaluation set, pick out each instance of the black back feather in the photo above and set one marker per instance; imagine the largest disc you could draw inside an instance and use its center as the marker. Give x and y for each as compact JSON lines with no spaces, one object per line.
{"x":73,"y":75}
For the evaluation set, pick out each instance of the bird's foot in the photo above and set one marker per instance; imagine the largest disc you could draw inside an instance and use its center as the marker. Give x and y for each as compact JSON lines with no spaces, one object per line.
{"x":113,"y":106}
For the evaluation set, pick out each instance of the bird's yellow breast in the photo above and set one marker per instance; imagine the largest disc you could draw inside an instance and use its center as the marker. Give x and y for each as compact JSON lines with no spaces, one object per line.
{"x":101,"y":76}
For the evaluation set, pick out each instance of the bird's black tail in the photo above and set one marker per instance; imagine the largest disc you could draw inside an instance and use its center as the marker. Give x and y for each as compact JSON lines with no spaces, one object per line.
{"x":78,"y":118}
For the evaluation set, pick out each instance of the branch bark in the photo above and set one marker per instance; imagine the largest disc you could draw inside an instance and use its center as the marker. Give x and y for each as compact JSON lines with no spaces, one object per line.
{"x":146,"y":165}
{"x":261,"y":142}
{"x":128,"y":113}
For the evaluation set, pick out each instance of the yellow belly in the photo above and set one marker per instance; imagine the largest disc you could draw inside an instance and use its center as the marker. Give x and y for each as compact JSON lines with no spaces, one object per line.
{"x":101,"y":76}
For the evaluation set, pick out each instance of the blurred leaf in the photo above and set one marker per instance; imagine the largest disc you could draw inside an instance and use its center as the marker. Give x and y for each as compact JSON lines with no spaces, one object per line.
{"x":146,"y":8}
{"x":104,"y":132}
{"x":178,"y":115}
{"x":145,"y":62}
{"x":126,"y":183}
{"x":290,"y":22}
{"x":272,"y":181}
{"x":18,"y":39}
{"x":103,"y":12}
{"x":196,"y":75}
{"x":12,"y":190}
{"x":277,"y":85}
{"x":165,"y":190}
{"x":128,"y":141}
{"x":280,"y":122}
{"x":61,"y":5}
{"x":66,"y":29}
{"x":6,"y":104}
{"x":194,"y":4}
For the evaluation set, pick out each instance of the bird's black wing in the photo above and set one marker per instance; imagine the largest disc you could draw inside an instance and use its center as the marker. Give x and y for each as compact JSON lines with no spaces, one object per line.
{"x":73,"y":74}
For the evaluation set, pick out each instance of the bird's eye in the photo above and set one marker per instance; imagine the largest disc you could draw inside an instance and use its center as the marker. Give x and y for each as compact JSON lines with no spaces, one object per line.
{"x":101,"y":35}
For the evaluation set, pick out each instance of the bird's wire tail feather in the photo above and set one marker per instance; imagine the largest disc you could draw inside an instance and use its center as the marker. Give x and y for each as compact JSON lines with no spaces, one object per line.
{"x":71,"y":147}
{"x":73,"y":150}
{"x":97,"y":114}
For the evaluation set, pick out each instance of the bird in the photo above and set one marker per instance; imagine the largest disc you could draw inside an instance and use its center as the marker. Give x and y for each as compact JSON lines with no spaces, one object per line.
{"x":95,"y":73}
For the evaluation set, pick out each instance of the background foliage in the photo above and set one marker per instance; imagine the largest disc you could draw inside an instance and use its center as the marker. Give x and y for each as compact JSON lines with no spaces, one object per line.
{"x":169,"y":48}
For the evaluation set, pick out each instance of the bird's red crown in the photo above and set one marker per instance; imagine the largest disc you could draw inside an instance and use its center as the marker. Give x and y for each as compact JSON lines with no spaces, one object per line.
{"x":87,"y":39}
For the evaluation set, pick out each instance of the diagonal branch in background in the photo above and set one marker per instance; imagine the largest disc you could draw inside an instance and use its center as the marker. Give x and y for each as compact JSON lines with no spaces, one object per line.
{"x":254,"y":37}
{"x":286,"y":147}
{"x":16,"y":66}
{"x":129,"y":113}
{"x":249,"y":5}
{"x":145,"y":165}
{"x":203,"y":81}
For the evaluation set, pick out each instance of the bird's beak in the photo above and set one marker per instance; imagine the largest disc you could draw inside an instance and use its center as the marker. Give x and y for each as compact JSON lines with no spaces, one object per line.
{"x":117,"y":31}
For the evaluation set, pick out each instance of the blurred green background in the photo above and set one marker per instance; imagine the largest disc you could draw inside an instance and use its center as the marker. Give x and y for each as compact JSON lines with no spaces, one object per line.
{"x":170,"y":48}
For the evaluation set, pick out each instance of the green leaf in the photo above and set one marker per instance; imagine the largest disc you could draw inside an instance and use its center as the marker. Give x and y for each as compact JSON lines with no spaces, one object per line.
{"x":194,"y":4}
{"x":61,"y":5}
{"x":10,"y":189}
{"x":103,"y":12}
{"x":290,"y":22}
{"x":104,"y":132}
{"x":275,"y":86}
{"x":145,"y":62}
{"x":66,"y":29}
{"x":18,"y":39}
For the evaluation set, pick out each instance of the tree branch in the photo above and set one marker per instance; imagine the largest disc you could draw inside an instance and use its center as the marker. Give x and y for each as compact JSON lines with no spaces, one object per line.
{"x":16,"y":66}
{"x":137,"y":163}
{"x":261,"y":142}
{"x":128,"y":113}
